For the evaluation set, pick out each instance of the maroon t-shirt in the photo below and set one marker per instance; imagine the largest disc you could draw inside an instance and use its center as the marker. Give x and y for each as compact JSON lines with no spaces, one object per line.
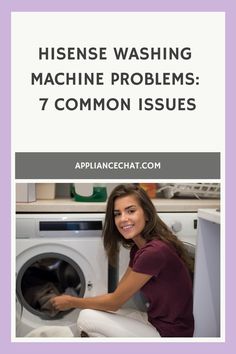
{"x":169,"y":292}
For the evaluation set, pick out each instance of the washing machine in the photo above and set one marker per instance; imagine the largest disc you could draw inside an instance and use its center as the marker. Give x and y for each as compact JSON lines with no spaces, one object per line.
{"x":56,"y":254}
{"x":184,"y":226}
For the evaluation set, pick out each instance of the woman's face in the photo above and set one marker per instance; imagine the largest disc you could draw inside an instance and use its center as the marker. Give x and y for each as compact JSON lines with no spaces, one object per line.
{"x":129,"y":217}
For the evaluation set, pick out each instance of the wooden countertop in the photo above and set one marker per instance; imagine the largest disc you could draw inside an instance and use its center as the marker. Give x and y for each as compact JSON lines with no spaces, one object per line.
{"x":68,"y":205}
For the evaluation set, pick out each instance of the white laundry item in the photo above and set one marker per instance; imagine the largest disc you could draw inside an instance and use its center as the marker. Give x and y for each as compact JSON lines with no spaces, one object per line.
{"x":51,"y":331}
{"x":123,"y":323}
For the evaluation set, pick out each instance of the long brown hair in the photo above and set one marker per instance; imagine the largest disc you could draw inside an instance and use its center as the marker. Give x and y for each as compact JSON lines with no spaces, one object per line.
{"x":155,"y":228}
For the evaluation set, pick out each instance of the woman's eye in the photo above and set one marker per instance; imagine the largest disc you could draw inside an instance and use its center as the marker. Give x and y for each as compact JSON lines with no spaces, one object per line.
{"x":131,"y":211}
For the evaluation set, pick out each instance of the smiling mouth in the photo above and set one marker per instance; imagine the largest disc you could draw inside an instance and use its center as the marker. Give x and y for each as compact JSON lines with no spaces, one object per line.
{"x":127,"y":227}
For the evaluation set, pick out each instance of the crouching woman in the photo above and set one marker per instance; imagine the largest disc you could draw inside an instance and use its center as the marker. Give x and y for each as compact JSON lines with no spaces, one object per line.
{"x":159,"y":267}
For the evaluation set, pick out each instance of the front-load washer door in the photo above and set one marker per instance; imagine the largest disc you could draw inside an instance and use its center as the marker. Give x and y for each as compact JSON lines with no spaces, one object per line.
{"x":45,"y":276}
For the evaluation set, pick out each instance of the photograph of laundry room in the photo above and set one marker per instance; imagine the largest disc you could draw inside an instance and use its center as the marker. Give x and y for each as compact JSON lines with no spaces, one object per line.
{"x":61,"y":230}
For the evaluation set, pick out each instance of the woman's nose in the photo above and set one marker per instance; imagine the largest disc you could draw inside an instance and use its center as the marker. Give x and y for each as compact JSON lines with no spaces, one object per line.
{"x":124,"y":216}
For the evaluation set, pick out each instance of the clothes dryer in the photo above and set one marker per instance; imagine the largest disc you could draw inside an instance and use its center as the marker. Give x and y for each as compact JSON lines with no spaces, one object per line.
{"x":56,"y":254}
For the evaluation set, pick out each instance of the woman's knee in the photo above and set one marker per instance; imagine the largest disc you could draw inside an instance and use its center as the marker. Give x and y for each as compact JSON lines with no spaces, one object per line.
{"x":88,"y":320}
{"x":85,"y":316}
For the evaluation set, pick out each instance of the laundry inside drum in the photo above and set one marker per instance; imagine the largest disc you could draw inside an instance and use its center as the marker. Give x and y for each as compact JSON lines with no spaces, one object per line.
{"x":46,"y":278}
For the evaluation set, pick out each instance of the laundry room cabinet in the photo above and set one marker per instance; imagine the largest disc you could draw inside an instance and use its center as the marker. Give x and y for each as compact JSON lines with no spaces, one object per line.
{"x":207,"y":278}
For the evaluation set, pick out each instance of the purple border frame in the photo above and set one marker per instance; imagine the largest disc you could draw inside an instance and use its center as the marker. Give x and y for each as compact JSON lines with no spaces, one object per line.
{"x":6,"y":6}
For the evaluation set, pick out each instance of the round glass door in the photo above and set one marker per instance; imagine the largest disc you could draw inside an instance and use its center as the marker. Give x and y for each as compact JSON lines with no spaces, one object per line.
{"x":45,"y":276}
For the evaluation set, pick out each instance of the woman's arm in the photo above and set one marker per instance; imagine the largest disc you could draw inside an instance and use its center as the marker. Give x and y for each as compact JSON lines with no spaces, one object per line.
{"x":128,"y":286}
{"x":124,"y":276}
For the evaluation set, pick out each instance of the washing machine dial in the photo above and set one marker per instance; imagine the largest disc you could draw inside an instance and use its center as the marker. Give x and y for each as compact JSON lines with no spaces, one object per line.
{"x":176,"y":226}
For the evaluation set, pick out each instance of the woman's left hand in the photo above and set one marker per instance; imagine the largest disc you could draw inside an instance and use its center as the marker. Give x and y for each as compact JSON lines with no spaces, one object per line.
{"x":62,"y":302}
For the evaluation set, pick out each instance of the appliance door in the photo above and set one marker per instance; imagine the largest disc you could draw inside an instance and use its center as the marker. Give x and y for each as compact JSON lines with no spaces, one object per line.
{"x":45,"y":276}
{"x":47,"y":268}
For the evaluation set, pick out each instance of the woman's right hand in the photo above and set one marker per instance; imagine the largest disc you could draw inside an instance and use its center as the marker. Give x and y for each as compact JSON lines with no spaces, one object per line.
{"x":63,"y":302}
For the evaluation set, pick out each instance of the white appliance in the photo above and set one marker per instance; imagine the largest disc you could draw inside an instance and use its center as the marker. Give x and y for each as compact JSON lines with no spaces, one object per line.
{"x":64,"y":252}
{"x":184,"y":226}
{"x":207,"y":279}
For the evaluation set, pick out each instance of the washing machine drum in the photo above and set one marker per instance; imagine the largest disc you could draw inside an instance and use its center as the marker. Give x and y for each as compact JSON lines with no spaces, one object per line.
{"x":45,"y":276}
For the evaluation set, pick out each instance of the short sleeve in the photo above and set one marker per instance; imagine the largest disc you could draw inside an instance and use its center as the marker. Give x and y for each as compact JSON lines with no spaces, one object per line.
{"x":149,"y":260}
{"x":132,"y":253}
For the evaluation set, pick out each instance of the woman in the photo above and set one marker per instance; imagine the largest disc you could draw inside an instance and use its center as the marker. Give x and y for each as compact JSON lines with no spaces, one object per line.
{"x":159,"y":267}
